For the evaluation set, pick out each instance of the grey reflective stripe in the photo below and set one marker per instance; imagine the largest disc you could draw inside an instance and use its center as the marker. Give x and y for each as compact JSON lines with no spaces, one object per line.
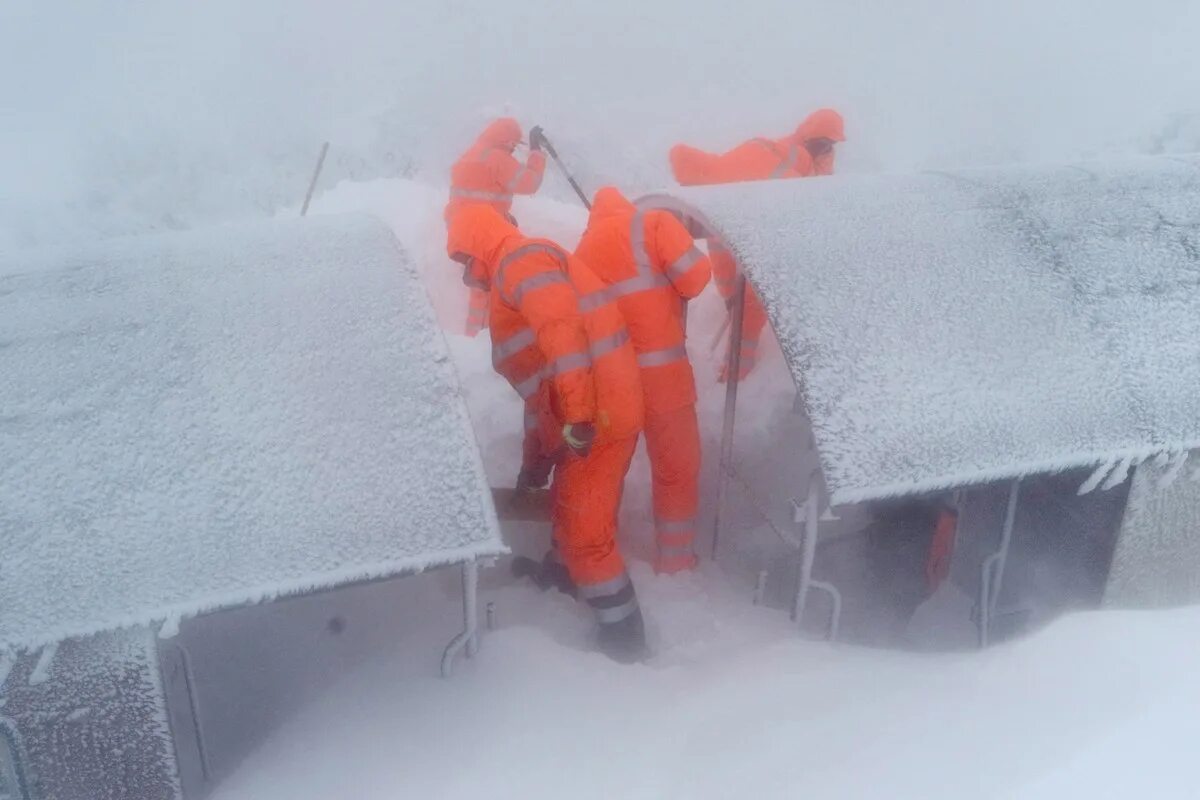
{"x":516,"y":179}
{"x":608,"y":616}
{"x":524,"y":250}
{"x":637,"y":240}
{"x":675,"y":525}
{"x":536,"y":281}
{"x":590,"y":590}
{"x":487,"y":197}
{"x":750,"y":344}
{"x":531,"y":422}
{"x":659,"y":358}
{"x":788,"y":162}
{"x":674,"y":552}
{"x":641,"y":283}
{"x":606,"y":345}
{"x":567,"y":363}
{"x":528,"y":387}
{"x":685,"y":262}
{"x":511,"y":346}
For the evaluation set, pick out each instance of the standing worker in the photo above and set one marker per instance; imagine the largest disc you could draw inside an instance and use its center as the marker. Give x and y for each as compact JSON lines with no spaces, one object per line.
{"x":652,"y":268}
{"x":488,"y":173}
{"x":573,"y":364}
{"x":806,"y":152}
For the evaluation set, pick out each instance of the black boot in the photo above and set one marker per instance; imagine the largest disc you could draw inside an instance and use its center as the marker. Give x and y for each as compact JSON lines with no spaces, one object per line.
{"x":624,"y":641}
{"x":549,"y":573}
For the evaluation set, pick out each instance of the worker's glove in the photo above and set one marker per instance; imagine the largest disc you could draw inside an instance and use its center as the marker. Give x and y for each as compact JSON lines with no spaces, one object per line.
{"x":579,"y":437}
{"x":536,"y":139}
{"x":534,"y":476}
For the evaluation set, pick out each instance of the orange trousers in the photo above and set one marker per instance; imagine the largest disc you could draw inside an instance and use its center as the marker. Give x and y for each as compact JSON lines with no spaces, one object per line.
{"x":673,"y":444}
{"x":587,"y":495}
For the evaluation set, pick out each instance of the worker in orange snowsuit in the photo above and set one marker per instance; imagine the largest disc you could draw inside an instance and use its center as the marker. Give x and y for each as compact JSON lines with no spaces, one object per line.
{"x":488,"y":173}
{"x":806,"y":152}
{"x":652,"y":268}
{"x":566,"y":351}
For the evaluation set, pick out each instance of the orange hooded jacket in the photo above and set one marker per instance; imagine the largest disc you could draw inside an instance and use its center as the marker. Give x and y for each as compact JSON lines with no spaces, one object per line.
{"x":652,"y":267}
{"x":488,"y":173}
{"x":552,"y":332}
{"x":762,"y":159}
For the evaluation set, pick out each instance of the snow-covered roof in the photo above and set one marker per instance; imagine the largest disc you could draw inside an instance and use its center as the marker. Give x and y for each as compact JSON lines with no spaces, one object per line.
{"x":950,"y":329}
{"x":200,"y":420}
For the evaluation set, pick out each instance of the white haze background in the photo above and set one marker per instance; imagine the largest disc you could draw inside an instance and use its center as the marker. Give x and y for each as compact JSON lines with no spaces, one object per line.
{"x":123,"y":117}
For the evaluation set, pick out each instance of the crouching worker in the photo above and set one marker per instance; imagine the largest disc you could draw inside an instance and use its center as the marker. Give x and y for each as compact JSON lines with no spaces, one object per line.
{"x":574,"y":366}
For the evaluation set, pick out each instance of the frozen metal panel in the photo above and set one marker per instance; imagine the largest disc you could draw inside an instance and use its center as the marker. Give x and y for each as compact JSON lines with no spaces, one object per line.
{"x":201,"y":420}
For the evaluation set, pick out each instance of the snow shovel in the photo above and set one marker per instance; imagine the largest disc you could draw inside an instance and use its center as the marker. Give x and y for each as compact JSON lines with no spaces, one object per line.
{"x":566,"y":174}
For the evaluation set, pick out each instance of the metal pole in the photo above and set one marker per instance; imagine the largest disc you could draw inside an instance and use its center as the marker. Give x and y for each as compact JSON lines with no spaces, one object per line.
{"x":734,"y":365}
{"x":467,"y":639}
{"x":760,"y":588}
{"x":808,"y":549}
{"x":992,"y":573}
{"x":312,"y":185}
{"x":566,"y":174}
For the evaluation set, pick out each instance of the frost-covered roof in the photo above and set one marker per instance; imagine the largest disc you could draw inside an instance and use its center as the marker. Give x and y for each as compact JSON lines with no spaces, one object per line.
{"x":200,"y":420}
{"x":949,"y":329}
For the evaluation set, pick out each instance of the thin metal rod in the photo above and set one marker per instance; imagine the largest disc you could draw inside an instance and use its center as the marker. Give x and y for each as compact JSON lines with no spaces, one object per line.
{"x":734,"y":365}
{"x":467,"y":639}
{"x":992,"y":572}
{"x":760,"y":588}
{"x":1005,"y":542}
{"x":808,"y":550}
{"x":312,"y":185}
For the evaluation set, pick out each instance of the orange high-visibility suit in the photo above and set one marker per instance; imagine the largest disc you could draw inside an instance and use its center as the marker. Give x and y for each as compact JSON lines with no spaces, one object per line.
{"x":808,"y":151}
{"x":567,"y":353}
{"x":488,"y":173}
{"x":652,"y":268}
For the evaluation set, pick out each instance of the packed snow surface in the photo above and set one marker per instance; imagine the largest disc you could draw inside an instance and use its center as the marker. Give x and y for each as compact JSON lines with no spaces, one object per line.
{"x":205,"y":419}
{"x":957,"y":328}
{"x":736,"y":704}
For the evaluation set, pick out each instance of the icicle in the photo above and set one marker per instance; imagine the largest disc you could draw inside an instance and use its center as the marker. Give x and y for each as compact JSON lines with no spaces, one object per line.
{"x":1174,"y":467}
{"x":41,"y":670}
{"x":1119,"y":474}
{"x":170,"y":628}
{"x":1095,"y":478}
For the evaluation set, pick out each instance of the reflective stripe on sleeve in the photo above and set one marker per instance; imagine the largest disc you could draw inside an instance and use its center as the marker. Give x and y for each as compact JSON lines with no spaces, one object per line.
{"x":512,"y":345}
{"x":486,"y":197}
{"x":607,"y":344}
{"x":528,"y":387}
{"x":659,"y":358}
{"x":685,"y":262}
{"x":567,"y":363}
{"x":534,"y":282}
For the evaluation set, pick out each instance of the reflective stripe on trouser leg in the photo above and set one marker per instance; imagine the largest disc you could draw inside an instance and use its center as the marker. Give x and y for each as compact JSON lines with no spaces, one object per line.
{"x":587,"y":494}
{"x":673,"y":445}
{"x":612,"y":600}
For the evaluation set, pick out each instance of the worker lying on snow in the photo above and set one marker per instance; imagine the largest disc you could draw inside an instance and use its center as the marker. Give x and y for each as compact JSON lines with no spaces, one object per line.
{"x":808,"y":151}
{"x":488,"y":173}
{"x":652,"y":268}
{"x":566,"y":351}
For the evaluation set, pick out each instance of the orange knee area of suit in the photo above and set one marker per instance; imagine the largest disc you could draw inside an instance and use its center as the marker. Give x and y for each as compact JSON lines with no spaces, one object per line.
{"x":673,"y":444}
{"x":587,"y":494}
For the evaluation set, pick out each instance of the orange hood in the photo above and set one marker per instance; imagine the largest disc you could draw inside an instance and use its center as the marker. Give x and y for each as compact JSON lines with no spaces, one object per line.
{"x":609,"y":202}
{"x":503,"y":132}
{"x":824,"y":123}
{"x":480,"y":232}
